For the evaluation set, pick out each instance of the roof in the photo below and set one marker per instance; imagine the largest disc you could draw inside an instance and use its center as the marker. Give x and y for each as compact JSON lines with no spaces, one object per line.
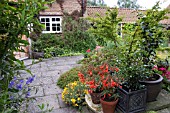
{"x":127,"y":15}
{"x":57,"y":8}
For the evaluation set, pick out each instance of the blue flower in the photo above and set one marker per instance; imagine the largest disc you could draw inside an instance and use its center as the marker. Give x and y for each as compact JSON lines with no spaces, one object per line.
{"x":19,"y":86}
{"x":30,"y":80}
{"x":11,"y":97}
{"x":21,"y":81}
{"x":11,"y":84}
{"x":27,"y":94}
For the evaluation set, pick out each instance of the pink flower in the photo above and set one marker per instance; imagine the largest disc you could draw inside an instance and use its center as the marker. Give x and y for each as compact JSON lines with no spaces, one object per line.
{"x":155,"y":68}
{"x":162,"y":69}
{"x":88,"y":51}
{"x":98,"y":47}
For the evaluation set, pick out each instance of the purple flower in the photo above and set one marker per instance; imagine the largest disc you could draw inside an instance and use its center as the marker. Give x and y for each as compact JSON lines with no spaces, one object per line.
{"x":27,"y":94}
{"x":21,"y":81}
{"x":19,"y":86}
{"x":11,"y":84}
{"x":11,"y":97}
{"x":30,"y":80}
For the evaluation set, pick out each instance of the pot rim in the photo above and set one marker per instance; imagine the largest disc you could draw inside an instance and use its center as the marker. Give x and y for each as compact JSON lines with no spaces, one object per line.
{"x":156,"y":81}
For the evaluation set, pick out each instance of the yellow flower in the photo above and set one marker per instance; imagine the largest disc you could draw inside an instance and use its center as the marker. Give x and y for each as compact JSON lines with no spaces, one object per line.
{"x":85,"y":91}
{"x":73,"y":100}
{"x":79,"y":99}
{"x":76,"y":105}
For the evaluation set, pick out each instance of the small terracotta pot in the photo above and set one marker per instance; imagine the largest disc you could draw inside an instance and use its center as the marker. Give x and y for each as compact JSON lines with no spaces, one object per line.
{"x":95,"y":97}
{"x":108,"y":107}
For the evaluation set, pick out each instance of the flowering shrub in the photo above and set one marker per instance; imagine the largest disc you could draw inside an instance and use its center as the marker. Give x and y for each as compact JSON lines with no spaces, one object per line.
{"x":74,"y":94}
{"x":19,"y":91}
{"x":100,"y":79}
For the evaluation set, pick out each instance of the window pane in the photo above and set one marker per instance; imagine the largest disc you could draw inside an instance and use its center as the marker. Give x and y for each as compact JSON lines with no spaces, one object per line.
{"x":54,"y":28}
{"x":47,"y":24}
{"x":47,"y":28}
{"x":47,"y":20}
{"x":58,"y":25}
{"x":58,"y":28}
{"x":57,"y":19}
{"x":53,"y":19}
{"x":53,"y":25}
{"x":42,"y":19}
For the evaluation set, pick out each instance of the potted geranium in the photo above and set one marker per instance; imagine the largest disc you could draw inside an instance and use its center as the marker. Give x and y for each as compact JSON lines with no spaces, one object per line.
{"x":109,"y":95}
{"x":93,"y":77}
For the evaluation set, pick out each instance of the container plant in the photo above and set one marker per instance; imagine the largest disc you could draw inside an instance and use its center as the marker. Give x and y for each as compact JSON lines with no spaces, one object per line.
{"x":151,"y":36}
{"x":96,"y":77}
{"x":109,"y":96}
{"x":137,"y":60}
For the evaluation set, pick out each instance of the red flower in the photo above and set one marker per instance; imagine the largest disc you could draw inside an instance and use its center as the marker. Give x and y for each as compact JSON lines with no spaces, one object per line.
{"x":88,"y":51}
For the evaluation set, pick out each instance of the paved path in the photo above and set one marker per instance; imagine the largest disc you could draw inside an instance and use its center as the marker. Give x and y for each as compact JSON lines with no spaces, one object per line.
{"x":47,"y":73}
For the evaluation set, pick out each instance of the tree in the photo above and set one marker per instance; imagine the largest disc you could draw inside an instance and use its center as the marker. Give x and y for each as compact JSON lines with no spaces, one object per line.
{"x":96,"y":3}
{"x":128,"y":4}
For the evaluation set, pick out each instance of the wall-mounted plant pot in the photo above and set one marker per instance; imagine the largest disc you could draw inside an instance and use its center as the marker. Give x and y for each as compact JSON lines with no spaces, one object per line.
{"x":132,"y":102}
{"x":153,"y":86}
{"x":37,"y":55}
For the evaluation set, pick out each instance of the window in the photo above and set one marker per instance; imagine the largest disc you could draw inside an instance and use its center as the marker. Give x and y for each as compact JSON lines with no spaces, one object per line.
{"x":52,"y":24}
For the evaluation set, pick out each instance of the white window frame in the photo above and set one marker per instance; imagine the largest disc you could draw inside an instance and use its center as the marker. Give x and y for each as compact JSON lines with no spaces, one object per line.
{"x":52,"y":22}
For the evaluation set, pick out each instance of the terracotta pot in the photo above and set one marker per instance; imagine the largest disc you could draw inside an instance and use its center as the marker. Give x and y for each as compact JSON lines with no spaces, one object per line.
{"x":95,"y":97}
{"x":153,"y":87}
{"x":108,"y":107}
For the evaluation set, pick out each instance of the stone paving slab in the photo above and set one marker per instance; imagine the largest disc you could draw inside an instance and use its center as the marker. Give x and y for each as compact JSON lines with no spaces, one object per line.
{"x":51,"y":89}
{"x":163,"y":101}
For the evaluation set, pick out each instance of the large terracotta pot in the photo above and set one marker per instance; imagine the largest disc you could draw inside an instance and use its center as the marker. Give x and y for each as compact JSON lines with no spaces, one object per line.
{"x":95,"y":97}
{"x":108,"y":107}
{"x":153,"y":87}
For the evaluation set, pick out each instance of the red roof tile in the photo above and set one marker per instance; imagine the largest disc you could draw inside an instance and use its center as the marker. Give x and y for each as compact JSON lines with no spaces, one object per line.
{"x":68,"y":6}
{"x":128,"y":15}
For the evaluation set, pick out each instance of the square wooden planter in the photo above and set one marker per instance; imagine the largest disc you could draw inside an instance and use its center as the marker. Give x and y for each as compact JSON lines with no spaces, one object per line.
{"x":132,"y":102}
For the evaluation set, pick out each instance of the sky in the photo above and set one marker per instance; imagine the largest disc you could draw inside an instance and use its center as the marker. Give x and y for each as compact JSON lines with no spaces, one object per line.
{"x":146,"y":4}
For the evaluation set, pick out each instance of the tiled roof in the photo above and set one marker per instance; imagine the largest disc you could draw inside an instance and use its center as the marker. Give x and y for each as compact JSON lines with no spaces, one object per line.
{"x":68,"y":6}
{"x":127,"y":15}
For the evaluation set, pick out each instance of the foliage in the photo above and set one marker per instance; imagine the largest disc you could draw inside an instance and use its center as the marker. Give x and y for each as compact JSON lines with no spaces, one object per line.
{"x":74,"y":94}
{"x":18,"y":91}
{"x":106,"y":28}
{"x":106,"y":54}
{"x":128,"y":4}
{"x":45,"y":109}
{"x":95,"y":3}
{"x":68,"y":77}
{"x":14,"y":21}
{"x":139,"y":49}
{"x":49,"y":52}
{"x":75,"y":39}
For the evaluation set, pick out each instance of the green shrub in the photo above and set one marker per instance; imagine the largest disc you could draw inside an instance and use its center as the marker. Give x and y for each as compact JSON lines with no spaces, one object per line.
{"x":68,"y":77}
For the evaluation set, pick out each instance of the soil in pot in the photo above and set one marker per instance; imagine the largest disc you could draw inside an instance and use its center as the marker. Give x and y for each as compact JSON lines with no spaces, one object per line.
{"x":95,"y":97}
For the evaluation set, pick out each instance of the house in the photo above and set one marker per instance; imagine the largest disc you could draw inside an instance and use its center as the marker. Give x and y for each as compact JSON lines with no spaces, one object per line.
{"x":52,"y":17}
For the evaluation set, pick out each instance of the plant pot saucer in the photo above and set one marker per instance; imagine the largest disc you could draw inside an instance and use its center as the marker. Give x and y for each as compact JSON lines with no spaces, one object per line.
{"x":94,"y":107}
